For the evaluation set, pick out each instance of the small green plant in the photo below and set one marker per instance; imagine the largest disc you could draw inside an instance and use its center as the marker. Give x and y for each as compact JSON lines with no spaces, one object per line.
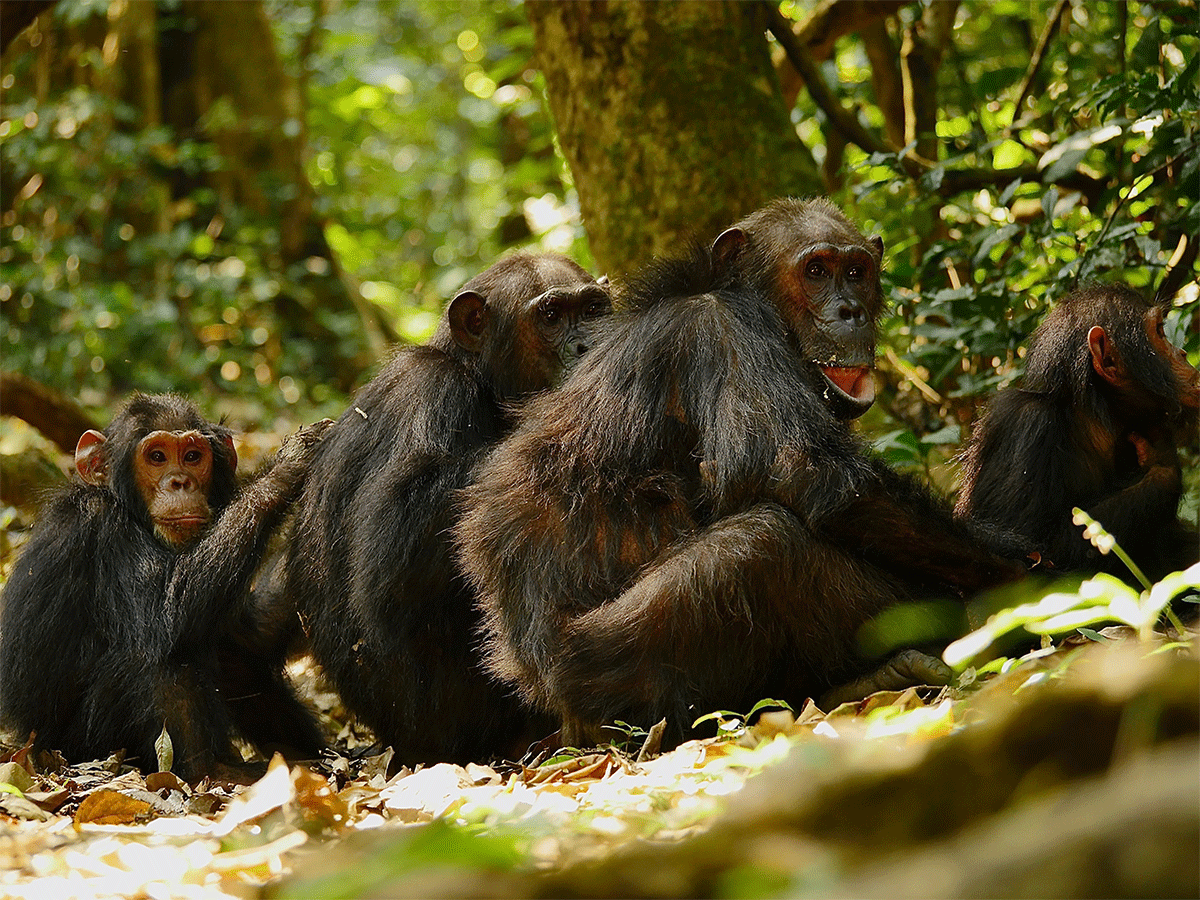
{"x":1101,"y":598}
{"x":731,"y":724}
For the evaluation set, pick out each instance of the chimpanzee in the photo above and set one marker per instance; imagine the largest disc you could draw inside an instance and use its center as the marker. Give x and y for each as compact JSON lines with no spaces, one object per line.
{"x":130,"y":591}
{"x":1093,"y":425}
{"x":370,"y":565}
{"x":688,"y":524}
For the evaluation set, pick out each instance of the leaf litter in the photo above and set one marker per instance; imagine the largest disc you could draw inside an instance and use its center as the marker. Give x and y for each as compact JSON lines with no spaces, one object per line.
{"x":102,"y":830}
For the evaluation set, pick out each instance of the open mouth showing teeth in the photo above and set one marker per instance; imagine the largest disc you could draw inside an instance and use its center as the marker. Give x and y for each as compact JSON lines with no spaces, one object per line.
{"x":855,"y":383}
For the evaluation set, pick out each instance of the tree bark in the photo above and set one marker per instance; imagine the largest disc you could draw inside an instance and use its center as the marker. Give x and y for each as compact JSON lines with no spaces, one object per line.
{"x":670,"y":117}
{"x":920,"y":59}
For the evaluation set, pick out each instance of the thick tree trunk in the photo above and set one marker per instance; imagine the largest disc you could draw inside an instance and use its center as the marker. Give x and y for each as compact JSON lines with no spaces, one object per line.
{"x":670,"y":116}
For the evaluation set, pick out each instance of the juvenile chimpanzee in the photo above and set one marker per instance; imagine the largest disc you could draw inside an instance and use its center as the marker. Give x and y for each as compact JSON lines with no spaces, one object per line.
{"x":370,"y":564}
{"x":131,"y":588}
{"x":688,"y":524}
{"x":1093,"y":425}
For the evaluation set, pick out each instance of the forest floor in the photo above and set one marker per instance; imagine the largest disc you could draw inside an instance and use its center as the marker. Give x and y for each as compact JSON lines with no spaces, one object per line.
{"x":1069,"y":772}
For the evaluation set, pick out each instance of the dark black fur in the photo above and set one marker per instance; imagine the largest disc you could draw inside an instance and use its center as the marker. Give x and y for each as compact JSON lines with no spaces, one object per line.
{"x":387,"y":612}
{"x":685,"y":525}
{"x":107,"y":634}
{"x":1062,"y":439}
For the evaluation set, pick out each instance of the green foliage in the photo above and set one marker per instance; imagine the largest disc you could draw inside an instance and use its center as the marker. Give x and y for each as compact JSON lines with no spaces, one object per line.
{"x":430,"y":152}
{"x":122,"y":268}
{"x":731,"y":723}
{"x":1101,"y":598}
{"x":429,"y":146}
{"x":1106,"y":161}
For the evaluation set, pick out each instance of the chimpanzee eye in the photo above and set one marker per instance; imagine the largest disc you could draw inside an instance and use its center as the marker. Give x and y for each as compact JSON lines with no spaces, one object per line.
{"x":549,"y":313}
{"x":192,"y":457}
{"x":815,"y":270}
{"x":157,"y":457}
{"x":597,"y":309}
{"x":855,"y":272}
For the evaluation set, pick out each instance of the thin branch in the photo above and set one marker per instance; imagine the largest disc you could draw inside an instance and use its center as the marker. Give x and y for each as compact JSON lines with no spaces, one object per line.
{"x":842,"y":119}
{"x":1039,"y":54}
{"x":1123,"y":198}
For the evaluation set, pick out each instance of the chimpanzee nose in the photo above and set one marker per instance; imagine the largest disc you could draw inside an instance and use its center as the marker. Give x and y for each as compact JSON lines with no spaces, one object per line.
{"x":852,"y":311}
{"x":581,"y":348}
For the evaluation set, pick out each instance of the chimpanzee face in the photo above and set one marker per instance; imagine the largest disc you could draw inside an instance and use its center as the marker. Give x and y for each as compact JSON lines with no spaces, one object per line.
{"x":563,"y":319}
{"x":824,"y":278}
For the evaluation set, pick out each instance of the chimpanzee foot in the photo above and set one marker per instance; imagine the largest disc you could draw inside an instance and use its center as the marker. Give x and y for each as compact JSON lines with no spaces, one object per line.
{"x":905,"y":669}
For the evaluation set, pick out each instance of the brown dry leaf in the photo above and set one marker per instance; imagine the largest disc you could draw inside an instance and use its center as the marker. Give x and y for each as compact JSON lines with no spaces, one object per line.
{"x":318,"y":803}
{"x":110,"y":808}
{"x":156,"y":781}
{"x":267,"y":794}
{"x":16,"y":775}
{"x":22,"y":808}
{"x":50,"y":801}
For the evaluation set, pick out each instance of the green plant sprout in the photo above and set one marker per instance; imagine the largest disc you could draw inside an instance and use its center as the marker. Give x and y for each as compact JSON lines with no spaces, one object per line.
{"x":731,"y":723}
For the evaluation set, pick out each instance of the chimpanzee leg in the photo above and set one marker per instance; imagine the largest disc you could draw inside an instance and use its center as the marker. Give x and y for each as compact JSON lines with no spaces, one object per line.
{"x":704,"y":627}
{"x":264,"y":707}
{"x":188,"y":705}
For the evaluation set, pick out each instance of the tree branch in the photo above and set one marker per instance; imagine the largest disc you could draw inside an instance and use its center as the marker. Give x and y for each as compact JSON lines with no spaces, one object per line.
{"x":842,"y":119}
{"x":885,"y":79}
{"x":833,"y":19}
{"x":920,"y":58}
{"x":1039,"y":54}
{"x":56,"y":416}
{"x":16,"y":16}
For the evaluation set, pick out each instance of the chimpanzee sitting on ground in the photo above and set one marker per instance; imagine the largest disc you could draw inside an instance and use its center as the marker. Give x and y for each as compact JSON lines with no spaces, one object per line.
{"x":688,"y":524}
{"x":130,"y":589}
{"x":387,"y":612}
{"x":1092,"y":426}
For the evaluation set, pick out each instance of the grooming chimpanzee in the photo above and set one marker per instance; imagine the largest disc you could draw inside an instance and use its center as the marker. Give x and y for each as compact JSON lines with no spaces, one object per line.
{"x":687,"y":524}
{"x":131,"y":589}
{"x":370,"y":564}
{"x":1093,"y":425}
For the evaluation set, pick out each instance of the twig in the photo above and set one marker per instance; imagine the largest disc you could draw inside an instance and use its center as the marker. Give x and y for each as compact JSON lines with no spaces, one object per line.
{"x":841,"y":118}
{"x":1039,"y":54}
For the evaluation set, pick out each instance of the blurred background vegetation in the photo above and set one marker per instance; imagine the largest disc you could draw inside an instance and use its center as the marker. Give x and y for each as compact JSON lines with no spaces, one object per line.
{"x":252,"y":202}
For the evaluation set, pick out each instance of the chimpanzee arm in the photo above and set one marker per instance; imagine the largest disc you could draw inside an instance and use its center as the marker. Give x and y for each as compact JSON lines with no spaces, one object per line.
{"x":899,"y":525}
{"x":1135,"y":514}
{"x":51,"y":612}
{"x":208,"y":579}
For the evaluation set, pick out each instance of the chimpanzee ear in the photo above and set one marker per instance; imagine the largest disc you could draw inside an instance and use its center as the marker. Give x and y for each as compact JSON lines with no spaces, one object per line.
{"x":91,"y":459}
{"x":877,"y":242}
{"x":468,"y":314}
{"x":726,"y":249}
{"x":1105,"y":359}
{"x":227,"y":440}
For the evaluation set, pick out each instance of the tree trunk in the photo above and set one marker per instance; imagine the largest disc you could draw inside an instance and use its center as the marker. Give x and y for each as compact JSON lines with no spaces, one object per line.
{"x":670,"y":117}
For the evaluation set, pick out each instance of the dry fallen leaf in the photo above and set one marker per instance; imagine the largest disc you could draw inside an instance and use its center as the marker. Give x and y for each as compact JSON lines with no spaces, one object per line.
{"x":111,"y":808}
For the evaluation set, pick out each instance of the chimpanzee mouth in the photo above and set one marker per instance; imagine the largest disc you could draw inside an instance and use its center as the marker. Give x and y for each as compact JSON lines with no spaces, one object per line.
{"x":855,"y":384}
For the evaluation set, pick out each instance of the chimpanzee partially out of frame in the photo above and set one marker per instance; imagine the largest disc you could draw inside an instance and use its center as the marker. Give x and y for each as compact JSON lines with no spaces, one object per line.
{"x":688,"y":523}
{"x":1093,"y":425}
{"x":134,"y":586}
{"x":370,"y":563}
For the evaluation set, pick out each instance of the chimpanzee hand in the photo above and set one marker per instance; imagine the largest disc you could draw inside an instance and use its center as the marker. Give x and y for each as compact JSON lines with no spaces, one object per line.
{"x":297,"y":448}
{"x":1156,"y":450}
{"x":906,"y":669}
